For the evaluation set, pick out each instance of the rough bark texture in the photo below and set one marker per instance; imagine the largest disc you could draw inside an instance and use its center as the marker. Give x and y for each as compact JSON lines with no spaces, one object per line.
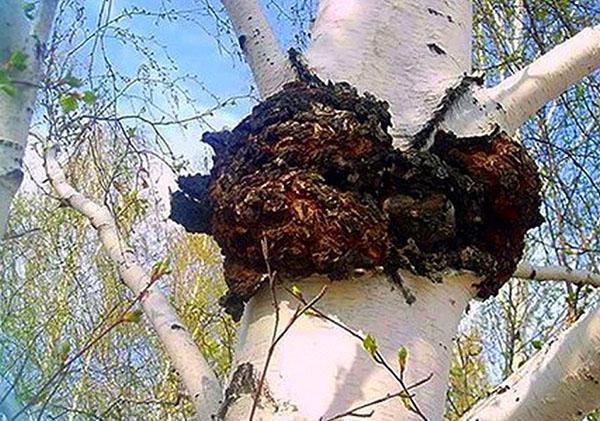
{"x":313,"y":172}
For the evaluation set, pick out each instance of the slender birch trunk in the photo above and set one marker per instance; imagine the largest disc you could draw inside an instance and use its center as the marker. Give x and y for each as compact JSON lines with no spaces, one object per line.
{"x":19,"y":37}
{"x":196,"y":375}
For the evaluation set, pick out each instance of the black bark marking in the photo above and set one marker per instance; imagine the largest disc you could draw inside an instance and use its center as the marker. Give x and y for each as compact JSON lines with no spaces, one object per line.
{"x":436,"y":49}
{"x":451,"y":95}
{"x":502,"y":389}
{"x":434,"y":12}
{"x":243,"y":382}
{"x":176,"y":326}
{"x":242,"y":40}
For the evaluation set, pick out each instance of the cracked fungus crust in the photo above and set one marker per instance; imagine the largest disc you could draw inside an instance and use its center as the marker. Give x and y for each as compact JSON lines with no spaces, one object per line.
{"x":312,"y":170}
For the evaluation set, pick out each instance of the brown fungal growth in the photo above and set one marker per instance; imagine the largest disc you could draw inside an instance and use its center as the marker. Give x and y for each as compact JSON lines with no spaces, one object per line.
{"x":313,"y":172}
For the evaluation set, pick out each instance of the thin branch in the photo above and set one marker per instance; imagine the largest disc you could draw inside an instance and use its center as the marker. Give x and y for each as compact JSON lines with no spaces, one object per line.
{"x":268,"y":63}
{"x":401,"y":394}
{"x":556,"y":273}
{"x":300,"y":311}
{"x":559,"y":382}
{"x":9,"y":405}
{"x":195,"y":372}
{"x":377,"y":356}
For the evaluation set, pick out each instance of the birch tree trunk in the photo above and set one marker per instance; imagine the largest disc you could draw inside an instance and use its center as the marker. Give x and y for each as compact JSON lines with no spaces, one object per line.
{"x":19,"y":37}
{"x":407,"y":53}
{"x":411,"y":54}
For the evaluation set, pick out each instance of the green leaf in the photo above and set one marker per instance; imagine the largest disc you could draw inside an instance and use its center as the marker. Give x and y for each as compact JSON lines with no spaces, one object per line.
{"x":6,"y":84}
{"x":296,"y":291}
{"x":8,"y":90}
{"x":402,"y":357}
{"x":4,"y":79}
{"x":28,"y":8}
{"x":64,"y":351}
{"x":18,"y":61}
{"x":134,"y":316}
{"x":88,"y":97}
{"x":536,"y":344}
{"x":68,"y":103}
{"x":370,"y":345}
{"x":407,"y":403}
{"x":159,"y":269}
{"x":131,"y":132}
{"x":72,"y":81}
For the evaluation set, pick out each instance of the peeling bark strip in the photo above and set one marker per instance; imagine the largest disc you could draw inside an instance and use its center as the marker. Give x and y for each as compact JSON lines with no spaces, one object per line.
{"x":312,"y":170}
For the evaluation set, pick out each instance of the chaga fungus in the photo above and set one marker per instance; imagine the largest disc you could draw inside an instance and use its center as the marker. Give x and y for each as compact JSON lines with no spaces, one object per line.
{"x":313,"y":172}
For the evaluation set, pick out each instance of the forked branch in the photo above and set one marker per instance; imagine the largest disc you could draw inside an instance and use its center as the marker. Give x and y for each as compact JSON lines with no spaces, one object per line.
{"x":510,"y":103}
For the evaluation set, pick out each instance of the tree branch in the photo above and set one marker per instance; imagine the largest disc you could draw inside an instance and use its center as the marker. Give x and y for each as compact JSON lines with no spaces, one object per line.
{"x":268,"y":63}
{"x":9,"y":405}
{"x":560,"y":382}
{"x":525,"y":92}
{"x":515,"y":99}
{"x":40,"y":29}
{"x":556,"y":273}
{"x":195,"y":372}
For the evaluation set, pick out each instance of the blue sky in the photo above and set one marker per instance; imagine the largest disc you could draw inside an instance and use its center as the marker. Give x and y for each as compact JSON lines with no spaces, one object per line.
{"x":194,"y":48}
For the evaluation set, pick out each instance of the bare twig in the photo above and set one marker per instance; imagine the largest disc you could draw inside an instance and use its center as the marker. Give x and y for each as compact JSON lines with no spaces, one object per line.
{"x":299,"y":312}
{"x":354,"y":411}
{"x":377,"y":356}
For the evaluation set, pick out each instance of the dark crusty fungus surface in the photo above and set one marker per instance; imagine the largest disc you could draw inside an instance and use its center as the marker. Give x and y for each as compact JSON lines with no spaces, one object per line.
{"x":312,"y":172}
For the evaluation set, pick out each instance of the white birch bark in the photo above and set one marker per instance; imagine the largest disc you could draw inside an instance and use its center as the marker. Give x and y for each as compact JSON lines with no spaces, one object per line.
{"x":196,"y":375}
{"x":518,"y":97}
{"x":560,"y":382}
{"x":556,"y":273}
{"x":319,"y":370}
{"x":409,"y":53}
{"x":17,"y":34}
{"x":269,"y":65}
{"x":405,"y":52}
